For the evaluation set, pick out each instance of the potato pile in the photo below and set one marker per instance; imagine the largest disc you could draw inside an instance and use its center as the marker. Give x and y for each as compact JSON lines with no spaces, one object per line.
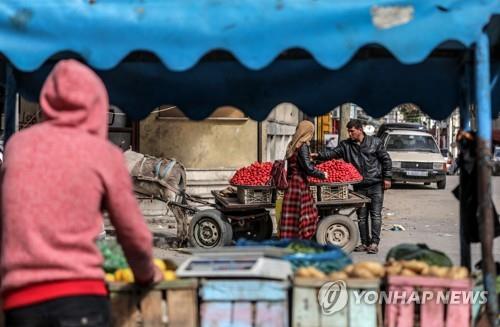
{"x":365,"y":269}
{"x":420,"y":268}
{"x":371,"y":269}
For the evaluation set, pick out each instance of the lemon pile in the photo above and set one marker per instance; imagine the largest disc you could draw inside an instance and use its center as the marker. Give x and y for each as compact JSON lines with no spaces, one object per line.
{"x":126,"y":275}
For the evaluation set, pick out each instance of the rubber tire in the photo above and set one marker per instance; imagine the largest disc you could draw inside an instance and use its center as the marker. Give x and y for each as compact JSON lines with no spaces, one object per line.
{"x":441,"y":185}
{"x":352,"y":227}
{"x":265,"y":232}
{"x":427,"y":183}
{"x":224,"y":226}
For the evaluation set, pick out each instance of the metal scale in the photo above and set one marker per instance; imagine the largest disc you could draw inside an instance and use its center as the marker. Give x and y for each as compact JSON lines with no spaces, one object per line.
{"x":227,"y":262}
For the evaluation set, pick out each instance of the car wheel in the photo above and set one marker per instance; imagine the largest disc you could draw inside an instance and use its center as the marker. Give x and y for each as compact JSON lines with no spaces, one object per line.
{"x":209,"y":229}
{"x":441,"y":185}
{"x":338,"y":230}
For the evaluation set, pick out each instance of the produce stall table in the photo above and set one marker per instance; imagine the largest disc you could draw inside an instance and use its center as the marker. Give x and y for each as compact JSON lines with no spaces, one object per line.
{"x":172,"y":303}
{"x":306,"y":309}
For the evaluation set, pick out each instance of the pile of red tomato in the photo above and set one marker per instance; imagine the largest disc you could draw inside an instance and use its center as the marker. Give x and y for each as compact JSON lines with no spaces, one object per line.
{"x":338,"y":172}
{"x":257,"y":174}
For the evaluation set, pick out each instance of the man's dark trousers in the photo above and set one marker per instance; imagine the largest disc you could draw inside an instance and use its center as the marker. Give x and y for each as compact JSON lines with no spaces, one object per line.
{"x":376,"y":194}
{"x":72,"y":311}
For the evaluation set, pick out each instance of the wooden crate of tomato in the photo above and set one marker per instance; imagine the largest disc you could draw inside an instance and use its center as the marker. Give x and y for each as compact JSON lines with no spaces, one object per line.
{"x":340,"y":175}
{"x":252,"y":183}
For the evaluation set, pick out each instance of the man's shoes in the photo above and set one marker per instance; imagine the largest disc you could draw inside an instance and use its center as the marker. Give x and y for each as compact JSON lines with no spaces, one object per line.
{"x":372,"y":249}
{"x":361,"y":248}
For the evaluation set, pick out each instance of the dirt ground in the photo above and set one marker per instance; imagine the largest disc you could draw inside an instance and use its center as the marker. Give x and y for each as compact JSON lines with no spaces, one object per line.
{"x":429,"y":216}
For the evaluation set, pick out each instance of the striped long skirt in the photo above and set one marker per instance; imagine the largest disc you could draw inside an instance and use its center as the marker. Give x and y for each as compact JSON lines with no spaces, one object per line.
{"x":299,"y":216}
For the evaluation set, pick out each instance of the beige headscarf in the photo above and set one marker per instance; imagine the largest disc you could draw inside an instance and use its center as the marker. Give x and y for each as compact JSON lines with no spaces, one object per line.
{"x":303,"y":134}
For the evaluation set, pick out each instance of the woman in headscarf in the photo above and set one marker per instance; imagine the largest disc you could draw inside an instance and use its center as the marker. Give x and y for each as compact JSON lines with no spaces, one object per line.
{"x":299,"y":216}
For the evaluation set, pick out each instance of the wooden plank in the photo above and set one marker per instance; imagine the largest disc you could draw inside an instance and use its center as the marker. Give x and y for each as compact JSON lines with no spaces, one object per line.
{"x":429,"y":281}
{"x":271,"y":314}
{"x":215,"y":314}
{"x":432,"y":310}
{"x":361,"y":314}
{"x":124,"y":312}
{"x":359,"y":283}
{"x":392,"y":308}
{"x":306,"y":311}
{"x":397,"y":314}
{"x":406,"y":309}
{"x":380,"y":316}
{"x":244,"y":290}
{"x":353,"y":199}
{"x":152,"y":309}
{"x":182,"y":307}
{"x":351,"y":283}
{"x":174,"y":284}
{"x":459,"y":314}
{"x":338,"y":319}
{"x":242,"y":315}
{"x":231,"y":203}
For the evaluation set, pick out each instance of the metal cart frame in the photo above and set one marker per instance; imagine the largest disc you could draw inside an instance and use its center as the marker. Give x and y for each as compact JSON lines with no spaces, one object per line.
{"x":231,"y":220}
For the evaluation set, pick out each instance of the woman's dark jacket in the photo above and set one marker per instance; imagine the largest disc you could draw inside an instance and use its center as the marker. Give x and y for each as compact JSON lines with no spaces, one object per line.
{"x":305,"y":163}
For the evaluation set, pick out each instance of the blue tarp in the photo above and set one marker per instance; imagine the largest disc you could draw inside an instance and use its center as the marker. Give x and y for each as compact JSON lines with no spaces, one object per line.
{"x":304,"y":83}
{"x":180,"y":33}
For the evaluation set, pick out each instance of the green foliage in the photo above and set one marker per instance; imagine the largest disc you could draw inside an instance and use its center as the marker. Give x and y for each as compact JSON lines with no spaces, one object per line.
{"x":113,"y":255}
{"x":411,"y":112}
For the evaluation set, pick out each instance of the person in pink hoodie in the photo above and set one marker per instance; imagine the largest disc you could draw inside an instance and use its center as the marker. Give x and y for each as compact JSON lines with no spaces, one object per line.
{"x":56,"y":179}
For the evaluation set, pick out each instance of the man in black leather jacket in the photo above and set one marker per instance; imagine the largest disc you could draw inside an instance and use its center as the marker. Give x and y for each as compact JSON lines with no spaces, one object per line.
{"x":370,"y":158}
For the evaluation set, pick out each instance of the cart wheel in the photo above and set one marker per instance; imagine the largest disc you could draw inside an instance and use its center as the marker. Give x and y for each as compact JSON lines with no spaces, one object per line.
{"x":256,"y":230}
{"x":209,"y":229}
{"x":338,"y":230}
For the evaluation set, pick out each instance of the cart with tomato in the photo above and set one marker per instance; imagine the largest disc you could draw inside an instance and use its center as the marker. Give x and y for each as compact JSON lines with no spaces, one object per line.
{"x":231,"y":220}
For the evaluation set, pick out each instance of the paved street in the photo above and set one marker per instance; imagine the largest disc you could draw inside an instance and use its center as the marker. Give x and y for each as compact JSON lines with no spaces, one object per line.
{"x":429,"y":216}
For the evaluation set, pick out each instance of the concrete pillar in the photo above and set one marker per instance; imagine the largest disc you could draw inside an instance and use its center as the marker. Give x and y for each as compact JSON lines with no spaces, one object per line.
{"x":345,"y":116}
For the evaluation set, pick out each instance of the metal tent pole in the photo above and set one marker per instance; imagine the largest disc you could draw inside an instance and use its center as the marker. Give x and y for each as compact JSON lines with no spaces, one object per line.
{"x":484,"y":210}
{"x":465,"y":121}
{"x":11,"y":104}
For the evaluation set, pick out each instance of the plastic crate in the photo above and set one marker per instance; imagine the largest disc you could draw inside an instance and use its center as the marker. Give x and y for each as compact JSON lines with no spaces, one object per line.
{"x":314,"y":192}
{"x":244,"y":302}
{"x":431,"y":313}
{"x":280,"y":194}
{"x":306,"y":310}
{"x":255,"y":195}
{"x":333,"y":192}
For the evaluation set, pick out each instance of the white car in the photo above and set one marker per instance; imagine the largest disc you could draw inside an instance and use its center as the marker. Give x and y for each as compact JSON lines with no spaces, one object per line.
{"x":415,"y":157}
{"x":496,"y":161}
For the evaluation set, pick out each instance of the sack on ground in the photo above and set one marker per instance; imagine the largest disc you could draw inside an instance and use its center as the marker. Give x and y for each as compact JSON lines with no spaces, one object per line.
{"x":419,"y":252}
{"x":161,"y":178}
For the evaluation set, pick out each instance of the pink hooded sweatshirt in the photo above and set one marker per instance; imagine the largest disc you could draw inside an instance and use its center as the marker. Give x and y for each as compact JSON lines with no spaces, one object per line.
{"x":57,"y":176}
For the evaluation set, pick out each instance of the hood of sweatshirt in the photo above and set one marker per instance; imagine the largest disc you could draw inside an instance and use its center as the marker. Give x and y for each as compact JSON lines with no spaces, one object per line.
{"x":74,"y":96}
